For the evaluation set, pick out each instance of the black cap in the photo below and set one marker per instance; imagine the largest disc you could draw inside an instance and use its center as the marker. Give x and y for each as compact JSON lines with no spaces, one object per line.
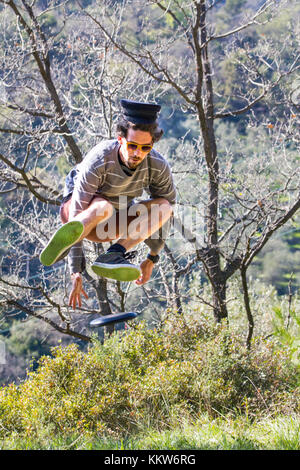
{"x":140,"y":113}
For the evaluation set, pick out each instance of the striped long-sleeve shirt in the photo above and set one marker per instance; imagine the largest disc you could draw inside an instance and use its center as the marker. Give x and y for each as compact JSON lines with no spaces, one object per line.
{"x":100,"y":173}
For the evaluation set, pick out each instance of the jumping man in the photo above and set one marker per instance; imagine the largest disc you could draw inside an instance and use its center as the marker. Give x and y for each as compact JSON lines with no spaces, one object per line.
{"x":99,"y":205}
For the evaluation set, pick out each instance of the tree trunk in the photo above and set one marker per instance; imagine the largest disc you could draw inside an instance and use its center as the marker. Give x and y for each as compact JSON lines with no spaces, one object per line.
{"x":218,"y":283}
{"x":100,"y":286}
{"x":205,"y":105}
{"x":101,"y":290}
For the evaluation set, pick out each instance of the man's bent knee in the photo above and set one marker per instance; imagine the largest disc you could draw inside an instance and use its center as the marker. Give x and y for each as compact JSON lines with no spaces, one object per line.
{"x":101,"y":208}
{"x":98,"y":206}
{"x":167,"y":205}
{"x":161,"y":206}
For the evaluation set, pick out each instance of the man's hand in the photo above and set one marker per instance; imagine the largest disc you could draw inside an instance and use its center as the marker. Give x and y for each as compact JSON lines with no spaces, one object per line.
{"x":77,"y":291}
{"x":146,"y":268}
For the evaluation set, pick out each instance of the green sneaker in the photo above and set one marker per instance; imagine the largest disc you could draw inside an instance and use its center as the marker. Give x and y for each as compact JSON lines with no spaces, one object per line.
{"x":114,"y":265}
{"x":62,"y":240}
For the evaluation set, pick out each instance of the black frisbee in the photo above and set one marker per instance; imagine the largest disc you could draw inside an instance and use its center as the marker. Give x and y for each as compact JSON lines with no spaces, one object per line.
{"x":113,"y":318}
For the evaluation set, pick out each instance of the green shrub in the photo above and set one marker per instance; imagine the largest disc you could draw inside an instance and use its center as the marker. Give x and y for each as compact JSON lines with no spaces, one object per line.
{"x":144,"y":377}
{"x":288,"y":335}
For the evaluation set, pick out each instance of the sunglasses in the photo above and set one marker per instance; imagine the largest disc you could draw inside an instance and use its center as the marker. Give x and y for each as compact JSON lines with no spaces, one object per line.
{"x":142,"y":147}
